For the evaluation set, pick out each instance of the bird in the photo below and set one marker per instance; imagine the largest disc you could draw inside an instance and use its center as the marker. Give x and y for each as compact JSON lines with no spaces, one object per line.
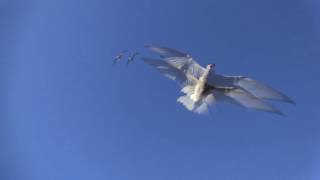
{"x":119,"y":57}
{"x":202,"y":86}
{"x":132,"y":57}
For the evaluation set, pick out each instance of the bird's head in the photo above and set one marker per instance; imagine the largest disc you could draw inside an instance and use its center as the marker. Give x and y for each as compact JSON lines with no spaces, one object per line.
{"x":211,"y":66}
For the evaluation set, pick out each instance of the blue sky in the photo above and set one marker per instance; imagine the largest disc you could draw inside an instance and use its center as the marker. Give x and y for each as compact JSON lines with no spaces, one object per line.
{"x":68,"y":114}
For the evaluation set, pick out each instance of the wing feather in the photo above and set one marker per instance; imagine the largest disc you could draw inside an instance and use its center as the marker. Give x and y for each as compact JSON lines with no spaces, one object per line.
{"x":179,"y":60}
{"x":187,"y":65}
{"x":170,"y":71}
{"x":244,"y":99}
{"x":254,"y":87}
{"x":165,"y":51}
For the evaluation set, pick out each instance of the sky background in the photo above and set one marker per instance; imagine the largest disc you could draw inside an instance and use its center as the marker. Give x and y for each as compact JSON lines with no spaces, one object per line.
{"x":67,"y":113}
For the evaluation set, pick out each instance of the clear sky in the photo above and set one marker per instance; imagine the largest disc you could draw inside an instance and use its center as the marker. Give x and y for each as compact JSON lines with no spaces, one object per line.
{"x":67,"y":113}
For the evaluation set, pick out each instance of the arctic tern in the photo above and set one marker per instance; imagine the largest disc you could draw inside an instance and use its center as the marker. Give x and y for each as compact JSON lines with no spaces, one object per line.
{"x":203,"y":86}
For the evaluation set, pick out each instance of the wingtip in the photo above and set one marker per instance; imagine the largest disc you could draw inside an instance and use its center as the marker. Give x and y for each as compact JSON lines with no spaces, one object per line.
{"x":286,"y":100}
{"x":291,"y":101}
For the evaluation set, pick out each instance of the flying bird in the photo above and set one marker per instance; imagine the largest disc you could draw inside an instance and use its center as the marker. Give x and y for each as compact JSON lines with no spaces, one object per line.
{"x":132,"y":57}
{"x":202,"y":86}
{"x":119,"y":57}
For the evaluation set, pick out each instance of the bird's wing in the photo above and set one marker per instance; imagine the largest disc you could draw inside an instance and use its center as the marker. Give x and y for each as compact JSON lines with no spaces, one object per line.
{"x":128,"y":62}
{"x":187,"y":65}
{"x":244,"y":99}
{"x":179,"y":60}
{"x":170,"y":71}
{"x":254,"y":87}
{"x":165,"y":51}
{"x":115,"y":60}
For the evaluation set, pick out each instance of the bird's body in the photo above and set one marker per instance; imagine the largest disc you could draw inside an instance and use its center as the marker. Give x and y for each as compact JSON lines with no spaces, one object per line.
{"x":119,"y":57}
{"x":203,"y":87}
{"x":132,"y":57}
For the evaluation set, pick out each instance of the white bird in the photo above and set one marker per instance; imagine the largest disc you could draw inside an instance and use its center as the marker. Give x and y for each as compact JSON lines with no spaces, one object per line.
{"x":119,"y":57}
{"x":203,"y":87}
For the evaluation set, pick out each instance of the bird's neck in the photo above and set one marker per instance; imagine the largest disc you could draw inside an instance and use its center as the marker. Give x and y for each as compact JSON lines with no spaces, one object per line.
{"x":205,"y":75}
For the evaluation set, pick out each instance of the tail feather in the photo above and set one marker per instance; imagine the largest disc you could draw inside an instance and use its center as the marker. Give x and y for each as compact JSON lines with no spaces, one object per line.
{"x":188,"y":90}
{"x":200,"y":107}
{"x":187,"y":102}
{"x":210,"y":99}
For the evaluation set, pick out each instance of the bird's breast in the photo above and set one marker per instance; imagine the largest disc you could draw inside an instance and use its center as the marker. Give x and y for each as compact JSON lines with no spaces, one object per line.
{"x":200,"y":87}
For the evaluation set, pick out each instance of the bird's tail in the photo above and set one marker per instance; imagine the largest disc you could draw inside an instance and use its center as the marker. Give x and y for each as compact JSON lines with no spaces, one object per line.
{"x":200,"y":107}
{"x":187,"y":102}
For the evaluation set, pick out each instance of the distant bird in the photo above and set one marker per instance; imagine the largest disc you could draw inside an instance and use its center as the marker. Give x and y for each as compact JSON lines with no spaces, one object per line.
{"x":132,"y":57}
{"x":119,"y":57}
{"x":203,"y":87}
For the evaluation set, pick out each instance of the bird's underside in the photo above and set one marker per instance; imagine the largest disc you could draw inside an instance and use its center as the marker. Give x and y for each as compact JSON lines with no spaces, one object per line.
{"x":202,"y":86}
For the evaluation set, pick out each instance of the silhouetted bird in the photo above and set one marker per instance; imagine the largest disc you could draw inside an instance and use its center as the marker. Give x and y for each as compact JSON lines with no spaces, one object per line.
{"x":119,"y":57}
{"x":132,"y":57}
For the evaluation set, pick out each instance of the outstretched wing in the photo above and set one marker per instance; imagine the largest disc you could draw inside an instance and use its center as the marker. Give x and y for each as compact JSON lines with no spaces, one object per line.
{"x":254,"y":87}
{"x":170,"y":71}
{"x":187,"y":65}
{"x":165,"y":51}
{"x":179,"y":60}
{"x":244,"y":99}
